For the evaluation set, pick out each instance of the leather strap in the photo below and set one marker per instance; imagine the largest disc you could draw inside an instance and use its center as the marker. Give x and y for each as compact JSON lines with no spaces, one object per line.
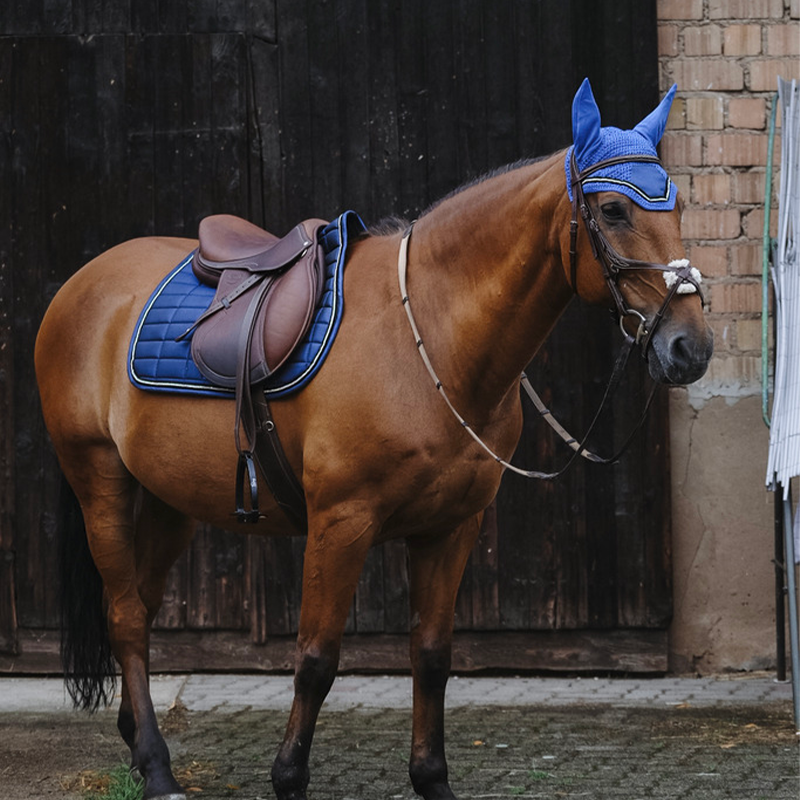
{"x":245,"y":415}
{"x":275,"y":467}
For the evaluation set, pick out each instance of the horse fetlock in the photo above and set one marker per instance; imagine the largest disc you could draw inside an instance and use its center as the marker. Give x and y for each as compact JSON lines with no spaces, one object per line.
{"x":289,"y":779}
{"x":429,"y":778}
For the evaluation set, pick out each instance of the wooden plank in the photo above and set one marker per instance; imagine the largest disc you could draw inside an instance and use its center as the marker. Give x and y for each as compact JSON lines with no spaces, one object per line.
{"x":8,"y":610}
{"x":325,"y":199}
{"x":502,"y":145}
{"x":570,"y":652}
{"x":140,"y":79}
{"x":265,"y":134}
{"x":355,"y":110}
{"x":471,"y":88}
{"x":412,"y":100}
{"x":384,"y":145}
{"x":395,"y":587}
{"x":274,"y":588}
{"x":27,"y":175}
{"x":369,"y":594}
{"x":227,"y":177}
{"x":172,"y":59}
{"x":295,"y":113}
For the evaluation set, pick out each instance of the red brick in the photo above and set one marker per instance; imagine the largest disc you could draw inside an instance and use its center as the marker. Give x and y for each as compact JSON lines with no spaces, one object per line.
{"x":746,"y":258}
{"x":677,"y":115}
{"x":703,"y":223}
{"x":745,"y":9}
{"x":748,"y":187}
{"x":723,"y":328}
{"x":682,"y":150}
{"x":747,"y":112}
{"x":753,"y":224}
{"x":711,"y":189}
{"x":736,"y":149}
{"x":749,"y":333}
{"x":708,"y":75}
{"x":679,"y":9}
{"x":668,"y":40}
{"x":764,"y":73}
{"x":702,"y":40}
{"x":705,"y":113}
{"x":711,"y":260}
{"x":783,"y":40}
{"x":684,"y":184}
{"x":742,"y":40}
{"x":739,"y":298}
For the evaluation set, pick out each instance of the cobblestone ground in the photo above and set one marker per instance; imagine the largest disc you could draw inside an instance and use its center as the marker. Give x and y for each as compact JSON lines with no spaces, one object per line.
{"x":599,"y":752}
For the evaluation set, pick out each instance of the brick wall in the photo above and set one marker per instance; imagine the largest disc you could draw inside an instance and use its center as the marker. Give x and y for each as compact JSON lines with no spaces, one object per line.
{"x":725,"y":56}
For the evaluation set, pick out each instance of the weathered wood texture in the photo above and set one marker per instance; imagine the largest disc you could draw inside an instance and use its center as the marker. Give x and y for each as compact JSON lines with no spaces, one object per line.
{"x":127,"y":118}
{"x":633,"y":650}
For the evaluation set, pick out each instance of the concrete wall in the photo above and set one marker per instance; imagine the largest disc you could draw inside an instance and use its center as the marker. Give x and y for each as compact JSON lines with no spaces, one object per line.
{"x":725,"y":56}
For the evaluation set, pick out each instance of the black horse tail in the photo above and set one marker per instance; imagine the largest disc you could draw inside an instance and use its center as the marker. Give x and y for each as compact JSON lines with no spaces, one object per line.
{"x":89,"y":668}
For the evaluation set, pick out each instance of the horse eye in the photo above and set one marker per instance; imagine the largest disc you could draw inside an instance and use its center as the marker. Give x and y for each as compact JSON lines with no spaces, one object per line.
{"x":613,"y":212}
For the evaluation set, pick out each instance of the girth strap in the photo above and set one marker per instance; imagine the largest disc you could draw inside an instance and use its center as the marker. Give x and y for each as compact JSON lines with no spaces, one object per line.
{"x":278,"y":473}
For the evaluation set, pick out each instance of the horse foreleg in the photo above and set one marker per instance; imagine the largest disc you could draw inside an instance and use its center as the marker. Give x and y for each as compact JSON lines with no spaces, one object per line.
{"x":435,"y":570}
{"x":334,"y":557}
{"x":107,"y":493}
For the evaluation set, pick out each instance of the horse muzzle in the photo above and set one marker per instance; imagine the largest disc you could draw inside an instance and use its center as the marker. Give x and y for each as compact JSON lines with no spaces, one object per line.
{"x":677,"y":356}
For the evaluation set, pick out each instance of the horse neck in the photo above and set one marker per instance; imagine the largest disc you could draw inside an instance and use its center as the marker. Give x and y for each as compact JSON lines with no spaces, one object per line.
{"x":487,"y":281}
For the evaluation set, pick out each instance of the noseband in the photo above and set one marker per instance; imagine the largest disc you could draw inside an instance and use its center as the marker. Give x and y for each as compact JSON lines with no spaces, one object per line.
{"x":612,"y":262}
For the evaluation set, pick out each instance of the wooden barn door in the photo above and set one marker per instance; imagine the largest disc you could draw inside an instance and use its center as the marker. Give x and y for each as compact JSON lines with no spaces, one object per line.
{"x":134,"y":119}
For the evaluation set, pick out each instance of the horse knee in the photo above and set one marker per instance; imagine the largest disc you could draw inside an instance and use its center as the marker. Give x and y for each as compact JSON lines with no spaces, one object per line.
{"x":431,"y":668}
{"x":315,"y":673}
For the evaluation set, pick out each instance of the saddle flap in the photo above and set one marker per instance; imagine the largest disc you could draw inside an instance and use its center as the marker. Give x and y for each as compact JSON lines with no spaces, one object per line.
{"x":228,"y":242}
{"x":269,"y":318}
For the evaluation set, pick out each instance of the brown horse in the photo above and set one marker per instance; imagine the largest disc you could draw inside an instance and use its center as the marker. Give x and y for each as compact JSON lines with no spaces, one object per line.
{"x":379,"y":453}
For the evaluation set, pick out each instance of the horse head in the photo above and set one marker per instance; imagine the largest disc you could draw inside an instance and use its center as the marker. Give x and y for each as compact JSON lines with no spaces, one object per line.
{"x":626,"y":219}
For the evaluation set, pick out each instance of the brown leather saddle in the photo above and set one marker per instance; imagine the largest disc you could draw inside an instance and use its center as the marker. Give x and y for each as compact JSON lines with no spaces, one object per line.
{"x":266,"y":291}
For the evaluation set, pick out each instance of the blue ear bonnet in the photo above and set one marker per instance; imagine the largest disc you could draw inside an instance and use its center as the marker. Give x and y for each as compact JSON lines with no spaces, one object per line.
{"x":646,"y":184}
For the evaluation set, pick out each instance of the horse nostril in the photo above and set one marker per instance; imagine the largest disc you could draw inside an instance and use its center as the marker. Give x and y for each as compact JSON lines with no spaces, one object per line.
{"x":681,"y":351}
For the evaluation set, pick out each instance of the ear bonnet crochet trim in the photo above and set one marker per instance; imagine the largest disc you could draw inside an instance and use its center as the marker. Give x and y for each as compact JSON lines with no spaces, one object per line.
{"x":646,"y":184}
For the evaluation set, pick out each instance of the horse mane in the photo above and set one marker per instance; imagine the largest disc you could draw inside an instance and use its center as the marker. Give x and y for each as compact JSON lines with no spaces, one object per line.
{"x":388,"y":226}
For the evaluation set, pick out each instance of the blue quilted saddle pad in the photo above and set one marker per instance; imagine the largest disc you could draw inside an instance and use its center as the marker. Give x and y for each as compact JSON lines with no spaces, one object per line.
{"x":157,"y":363}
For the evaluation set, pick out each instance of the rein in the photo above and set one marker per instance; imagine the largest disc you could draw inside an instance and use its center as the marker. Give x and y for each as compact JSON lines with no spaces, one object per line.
{"x":613,"y":263}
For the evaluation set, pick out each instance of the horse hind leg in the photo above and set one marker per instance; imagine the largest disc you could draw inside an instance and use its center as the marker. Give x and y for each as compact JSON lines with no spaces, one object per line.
{"x":107,"y":493}
{"x":162,"y":534}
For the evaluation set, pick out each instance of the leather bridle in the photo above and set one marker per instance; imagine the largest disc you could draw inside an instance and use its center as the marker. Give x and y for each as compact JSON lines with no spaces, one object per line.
{"x":612,"y":262}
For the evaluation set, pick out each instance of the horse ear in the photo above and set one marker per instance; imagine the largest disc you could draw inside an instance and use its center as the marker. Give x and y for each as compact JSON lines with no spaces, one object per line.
{"x":652,"y":126}
{"x":585,"y":120}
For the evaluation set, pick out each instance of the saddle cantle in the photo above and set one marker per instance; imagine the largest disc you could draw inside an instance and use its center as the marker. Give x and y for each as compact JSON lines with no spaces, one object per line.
{"x":266,"y":293}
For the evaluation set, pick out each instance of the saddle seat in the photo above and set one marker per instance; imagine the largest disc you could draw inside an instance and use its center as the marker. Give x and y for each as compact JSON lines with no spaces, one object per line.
{"x":267,"y":290}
